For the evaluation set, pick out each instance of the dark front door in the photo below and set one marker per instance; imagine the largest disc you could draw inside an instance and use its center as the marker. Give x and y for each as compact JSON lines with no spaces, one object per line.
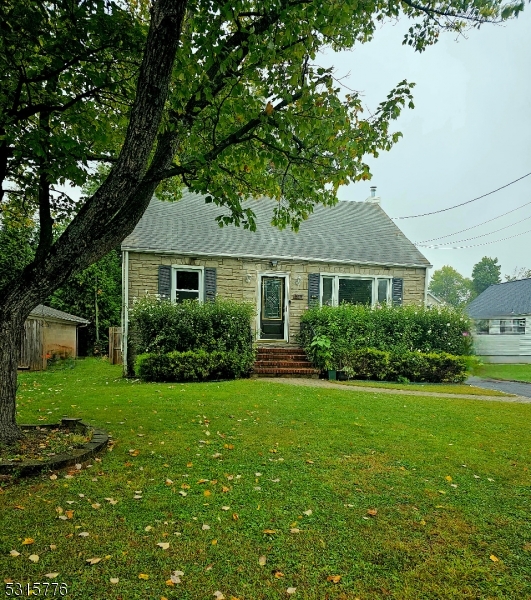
{"x":272,"y":311}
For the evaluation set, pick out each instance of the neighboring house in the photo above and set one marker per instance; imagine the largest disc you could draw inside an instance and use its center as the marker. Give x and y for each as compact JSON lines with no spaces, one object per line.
{"x":502,"y":318}
{"x":352,"y":252}
{"x":48,"y":333}
{"x":432,"y":300}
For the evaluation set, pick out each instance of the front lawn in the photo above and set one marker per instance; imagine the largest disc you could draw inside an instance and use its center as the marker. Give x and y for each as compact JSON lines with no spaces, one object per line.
{"x":250,"y":488}
{"x":520,"y":372}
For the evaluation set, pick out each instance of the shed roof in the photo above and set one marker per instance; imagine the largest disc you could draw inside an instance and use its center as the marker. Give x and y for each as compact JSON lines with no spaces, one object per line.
{"x":46,"y":312}
{"x":502,"y":300}
{"x":350,"y":232}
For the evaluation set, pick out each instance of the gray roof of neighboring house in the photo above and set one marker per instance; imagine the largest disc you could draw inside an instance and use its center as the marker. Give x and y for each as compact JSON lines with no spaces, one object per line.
{"x":502,"y":300}
{"x":350,"y":232}
{"x":46,"y":312}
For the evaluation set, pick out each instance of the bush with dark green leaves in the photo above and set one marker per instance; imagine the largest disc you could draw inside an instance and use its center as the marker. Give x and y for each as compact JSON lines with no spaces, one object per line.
{"x":433,"y":367}
{"x":386,"y":341}
{"x":190,"y":341}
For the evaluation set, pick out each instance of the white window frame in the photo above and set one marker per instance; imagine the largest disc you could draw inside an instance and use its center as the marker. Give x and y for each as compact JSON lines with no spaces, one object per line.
{"x":373,"y":278}
{"x":515,"y":324}
{"x":200,"y":270}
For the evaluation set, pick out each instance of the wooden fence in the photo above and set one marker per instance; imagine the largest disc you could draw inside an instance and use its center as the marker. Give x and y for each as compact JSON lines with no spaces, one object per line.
{"x":32,"y":355}
{"x":115,"y":345}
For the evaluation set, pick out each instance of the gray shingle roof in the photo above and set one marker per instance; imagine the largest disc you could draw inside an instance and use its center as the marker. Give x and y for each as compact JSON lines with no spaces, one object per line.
{"x":46,"y":312}
{"x":502,"y":300}
{"x":350,"y":232}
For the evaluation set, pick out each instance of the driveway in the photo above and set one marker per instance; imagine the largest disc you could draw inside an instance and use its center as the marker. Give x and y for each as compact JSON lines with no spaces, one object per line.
{"x":511,"y":387}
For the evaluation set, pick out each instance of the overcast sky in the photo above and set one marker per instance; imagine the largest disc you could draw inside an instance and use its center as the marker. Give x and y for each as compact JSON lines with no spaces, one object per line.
{"x":470,"y":133}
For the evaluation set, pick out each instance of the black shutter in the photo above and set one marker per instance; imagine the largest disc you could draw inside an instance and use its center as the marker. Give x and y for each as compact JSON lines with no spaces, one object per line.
{"x":210,"y":284}
{"x":314,"y":289}
{"x":165,"y":281}
{"x":397,"y":291}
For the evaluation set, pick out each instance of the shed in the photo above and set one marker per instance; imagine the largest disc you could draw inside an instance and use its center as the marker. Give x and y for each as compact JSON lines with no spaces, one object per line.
{"x":48,"y":333}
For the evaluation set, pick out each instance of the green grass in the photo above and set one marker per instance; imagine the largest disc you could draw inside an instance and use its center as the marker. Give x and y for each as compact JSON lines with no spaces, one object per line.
{"x":441,"y":388}
{"x":449,"y":479}
{"x":520,"y":372}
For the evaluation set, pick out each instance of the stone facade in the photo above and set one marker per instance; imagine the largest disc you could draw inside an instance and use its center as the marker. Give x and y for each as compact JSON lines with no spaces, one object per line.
{"x":238,"y":278}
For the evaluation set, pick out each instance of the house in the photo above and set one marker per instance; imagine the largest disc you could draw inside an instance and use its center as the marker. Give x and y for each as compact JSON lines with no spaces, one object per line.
{"x":352,"y":252}
{"x":502,"y":318}
{"x":432,"y":300}
{"x":48,"y":333}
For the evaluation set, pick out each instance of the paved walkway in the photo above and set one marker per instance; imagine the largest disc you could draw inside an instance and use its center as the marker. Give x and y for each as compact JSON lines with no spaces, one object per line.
{"x":357,"y":388}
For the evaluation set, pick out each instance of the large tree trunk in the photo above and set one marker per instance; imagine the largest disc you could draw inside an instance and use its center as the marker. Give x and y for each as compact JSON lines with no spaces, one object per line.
{"x":110,"y":215}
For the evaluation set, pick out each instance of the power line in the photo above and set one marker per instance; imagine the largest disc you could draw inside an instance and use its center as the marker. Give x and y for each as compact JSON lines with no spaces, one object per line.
{"x":474,"y":226}
{"x":435,"y":212}
{"x":475,"y":237}
{"x":484,"y":243}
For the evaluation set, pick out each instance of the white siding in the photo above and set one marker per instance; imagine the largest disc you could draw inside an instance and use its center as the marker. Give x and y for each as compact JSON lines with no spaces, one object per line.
{"x":496,"y":344}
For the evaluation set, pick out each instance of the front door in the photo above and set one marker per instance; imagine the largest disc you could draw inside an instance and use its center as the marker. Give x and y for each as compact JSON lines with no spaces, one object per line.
{"x":272,"y":313}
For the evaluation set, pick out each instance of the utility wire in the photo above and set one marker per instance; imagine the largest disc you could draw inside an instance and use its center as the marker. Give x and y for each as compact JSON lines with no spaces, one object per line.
{"x":483,"y":244}
{"x":474,"y":226}
{"x":435,"y":212}
{"x":475,"y":237}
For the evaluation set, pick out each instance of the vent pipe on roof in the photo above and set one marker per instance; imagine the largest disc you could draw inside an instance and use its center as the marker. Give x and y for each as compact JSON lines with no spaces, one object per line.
{"x":373,"y":198}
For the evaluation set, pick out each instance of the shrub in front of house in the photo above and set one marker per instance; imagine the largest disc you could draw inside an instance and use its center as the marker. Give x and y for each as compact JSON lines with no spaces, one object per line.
{"x":433,"y":367}
{"x":399,"y":331}
{"x":190,"y":341}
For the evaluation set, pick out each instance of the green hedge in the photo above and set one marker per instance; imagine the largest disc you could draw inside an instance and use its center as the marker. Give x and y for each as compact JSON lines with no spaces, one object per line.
{"x":190,"y":341}
{"x":434,"y":367}
{"x":387,"y":328}
{"x":192,"y":365}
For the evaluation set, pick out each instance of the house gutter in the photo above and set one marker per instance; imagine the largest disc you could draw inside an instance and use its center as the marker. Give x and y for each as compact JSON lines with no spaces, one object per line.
{"x":125,"y":308}
{"x":280,"y":257}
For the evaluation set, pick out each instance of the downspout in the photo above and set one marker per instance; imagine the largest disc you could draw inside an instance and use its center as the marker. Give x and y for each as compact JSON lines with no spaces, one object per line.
{"x":426,"y":279}
{"x":125,"y":308}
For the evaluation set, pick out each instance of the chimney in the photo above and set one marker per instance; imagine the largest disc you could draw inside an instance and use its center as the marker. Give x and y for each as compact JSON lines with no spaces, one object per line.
{"x":373,"y":198}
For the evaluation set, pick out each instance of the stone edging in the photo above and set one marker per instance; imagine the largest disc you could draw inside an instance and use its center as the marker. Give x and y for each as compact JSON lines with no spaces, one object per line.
{"x":99,"y":440}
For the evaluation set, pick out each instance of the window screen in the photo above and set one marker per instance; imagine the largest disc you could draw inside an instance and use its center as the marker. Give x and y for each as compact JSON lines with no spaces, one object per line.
{"x":327,"y":290}
{"x":383,"y":285}
{"x":355,"y":291}
{"x":187,"y":285}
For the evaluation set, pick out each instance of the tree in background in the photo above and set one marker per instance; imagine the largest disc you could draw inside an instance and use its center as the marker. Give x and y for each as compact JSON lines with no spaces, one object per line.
{"x":449,"y":285}
{"x":518,"y":273}
{"x":484,"y":274}
{"x":96,"y":295}
{"x":226,"y":98}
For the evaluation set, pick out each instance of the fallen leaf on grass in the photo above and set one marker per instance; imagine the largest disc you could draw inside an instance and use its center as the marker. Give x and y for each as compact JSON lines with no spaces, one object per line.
{"x":114,"y":579}
{"x":334,"y":578}
{"x":143,"y":576}
{"x":137,"y":497}
{"x":83,"y":534}
{"x":448,"y":478}
{"x":18,"y":507}
{"x":269,"y":531}
{"x":207,"y":493}
{"x":69,"y":514}
{"x":205,"y":527}
{"x":14,"y":553}
{"x":291,"y":590}
{"x":372,"y":512}
{"x":93,"y":561}
{"x":279,"y":574}
{"x":169,"y":482}
{"x":183,"y":493}
{"x":163,"y":545}
{"x":53,"y":547}
{"x":53,"y":477}
{"x":294,"y":530}
{"x":308,"y":512}
{"x":148,"y":528}
{"x":262,"y":561}
{"x":235,"y":516}
{"x":28,"y":541}
{"x":494,"y":558}
{"x":35,"y":558}
{"x":96,"y":505}
{"x":51,"y":575}
{"x":225,"y":508}
{"x":218,"y":595}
